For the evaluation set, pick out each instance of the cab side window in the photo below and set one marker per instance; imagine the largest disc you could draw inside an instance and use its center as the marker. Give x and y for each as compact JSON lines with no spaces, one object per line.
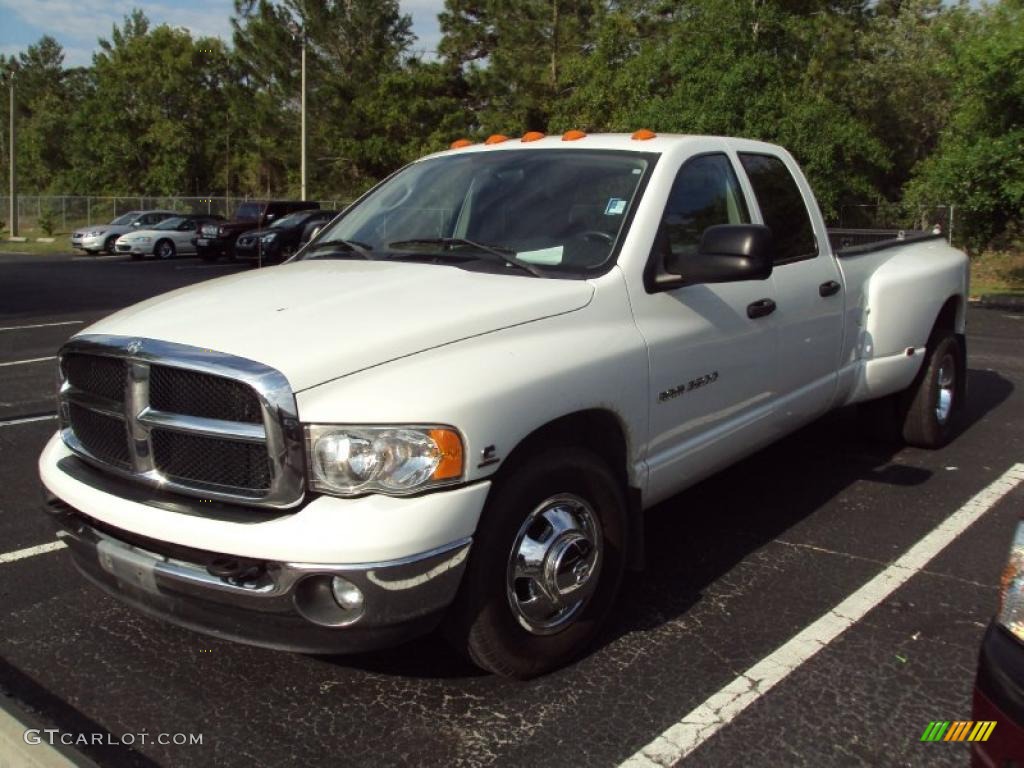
{"x":706,"y":192}
{"x":782,"y":207}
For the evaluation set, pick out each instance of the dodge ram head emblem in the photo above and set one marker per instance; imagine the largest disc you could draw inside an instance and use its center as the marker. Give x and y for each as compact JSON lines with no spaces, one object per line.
{"x":134,"y":346}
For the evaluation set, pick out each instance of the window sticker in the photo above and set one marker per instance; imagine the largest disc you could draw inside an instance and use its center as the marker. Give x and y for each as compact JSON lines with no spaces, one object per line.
{"x":616,"y":207}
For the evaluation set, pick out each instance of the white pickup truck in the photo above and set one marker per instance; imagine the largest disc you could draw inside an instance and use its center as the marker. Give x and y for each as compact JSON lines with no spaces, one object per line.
{"x":452,"y":407}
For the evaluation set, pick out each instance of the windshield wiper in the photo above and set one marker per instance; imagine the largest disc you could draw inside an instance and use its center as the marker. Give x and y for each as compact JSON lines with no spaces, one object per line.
{"x":507,"y":255}
{"x":339,"y":246}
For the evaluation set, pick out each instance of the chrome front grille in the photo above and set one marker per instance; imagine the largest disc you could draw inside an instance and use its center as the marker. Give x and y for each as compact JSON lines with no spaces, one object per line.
{"x":182,"y":419}
{"x":176,"y":390}
{"x":212,"y":461}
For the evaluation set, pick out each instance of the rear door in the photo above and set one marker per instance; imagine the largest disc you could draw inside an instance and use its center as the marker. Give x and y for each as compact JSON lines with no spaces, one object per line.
{"x":808,"y":287}
{"x":712,"y":366}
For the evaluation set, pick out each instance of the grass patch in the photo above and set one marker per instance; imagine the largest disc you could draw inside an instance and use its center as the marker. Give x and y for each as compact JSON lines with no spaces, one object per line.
{"x":61,"y":242}
{"x":997,"y":272}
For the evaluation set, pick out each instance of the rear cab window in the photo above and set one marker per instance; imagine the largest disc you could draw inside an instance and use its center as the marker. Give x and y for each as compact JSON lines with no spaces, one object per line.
{"x":248,"y":212}
{"x":782,"y":207}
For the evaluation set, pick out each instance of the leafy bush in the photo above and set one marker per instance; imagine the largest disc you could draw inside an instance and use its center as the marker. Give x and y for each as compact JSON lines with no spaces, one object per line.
{"x":46,"y":222}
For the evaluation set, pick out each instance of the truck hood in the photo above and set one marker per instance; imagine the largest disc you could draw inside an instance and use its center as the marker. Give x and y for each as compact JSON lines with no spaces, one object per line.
{"x":319,"y":320}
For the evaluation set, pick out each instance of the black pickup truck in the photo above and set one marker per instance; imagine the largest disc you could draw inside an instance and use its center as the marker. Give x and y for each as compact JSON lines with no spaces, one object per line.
{"x":216,"y":240}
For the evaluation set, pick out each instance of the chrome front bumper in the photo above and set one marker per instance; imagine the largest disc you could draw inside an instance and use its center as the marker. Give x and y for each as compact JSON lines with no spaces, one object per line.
{"x":88,"y":243}
{"x":286,"y":606}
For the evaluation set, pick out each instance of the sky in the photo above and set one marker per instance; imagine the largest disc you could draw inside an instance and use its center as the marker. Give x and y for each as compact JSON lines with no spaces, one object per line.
{"x":76,"y":24}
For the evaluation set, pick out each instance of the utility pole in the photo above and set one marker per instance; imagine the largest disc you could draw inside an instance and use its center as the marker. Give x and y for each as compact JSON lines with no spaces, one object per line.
{"x":303,"y":109}
{"x":554,"y":46}
{"x":299,"y":30}
{"x":13,"y":175}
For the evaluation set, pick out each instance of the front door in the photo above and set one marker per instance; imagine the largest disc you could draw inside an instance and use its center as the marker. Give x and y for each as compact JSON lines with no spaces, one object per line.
{"x":712,"y":366}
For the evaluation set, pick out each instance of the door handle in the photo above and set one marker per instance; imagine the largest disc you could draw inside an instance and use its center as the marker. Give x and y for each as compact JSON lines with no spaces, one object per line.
{"x":760,"y":308}
{"x":831,"y":288}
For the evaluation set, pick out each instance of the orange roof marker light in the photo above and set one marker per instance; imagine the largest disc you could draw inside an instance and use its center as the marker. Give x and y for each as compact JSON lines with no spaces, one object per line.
{"x":460,"y":143}
{"x":532,"y":136}
{"x":496,"y":138}
{"x":573,"y":135}
{"x":643,"y":135}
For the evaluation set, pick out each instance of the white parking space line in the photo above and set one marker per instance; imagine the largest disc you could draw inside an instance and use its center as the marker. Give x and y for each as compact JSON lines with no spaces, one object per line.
{"x":29,"y":420}
{"x":723,"y":707}
{"x":26,"y":362}
{"x":41,"y":325}
{"x":40,"y":549}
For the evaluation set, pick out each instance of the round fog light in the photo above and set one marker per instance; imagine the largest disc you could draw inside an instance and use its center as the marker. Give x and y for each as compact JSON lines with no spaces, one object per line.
{"x":348,"y":595}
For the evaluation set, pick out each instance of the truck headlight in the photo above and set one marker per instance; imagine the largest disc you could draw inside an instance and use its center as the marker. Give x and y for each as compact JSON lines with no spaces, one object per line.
{"x":1011,"y":588}
{"x":352,"y":460}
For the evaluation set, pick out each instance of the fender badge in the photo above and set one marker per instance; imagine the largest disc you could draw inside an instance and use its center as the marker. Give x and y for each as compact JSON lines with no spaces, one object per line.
{"x":488,"y":457}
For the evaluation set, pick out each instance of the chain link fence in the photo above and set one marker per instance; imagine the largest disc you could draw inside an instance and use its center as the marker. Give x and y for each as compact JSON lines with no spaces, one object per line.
{"x":65,"y":213}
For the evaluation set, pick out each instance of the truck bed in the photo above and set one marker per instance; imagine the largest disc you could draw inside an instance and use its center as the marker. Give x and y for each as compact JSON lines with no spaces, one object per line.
{"x":850,"y":242}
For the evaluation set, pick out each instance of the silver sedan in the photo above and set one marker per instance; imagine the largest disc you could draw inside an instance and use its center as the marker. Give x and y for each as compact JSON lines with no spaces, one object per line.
{"x":171,"y":237}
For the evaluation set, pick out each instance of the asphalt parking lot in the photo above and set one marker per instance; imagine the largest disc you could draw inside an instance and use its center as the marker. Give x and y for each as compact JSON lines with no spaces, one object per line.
{"x":736,"y":567}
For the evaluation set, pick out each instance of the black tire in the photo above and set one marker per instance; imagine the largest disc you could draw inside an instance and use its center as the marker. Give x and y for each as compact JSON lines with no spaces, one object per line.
{"x":482,"y":623}
{"x":164,"y":249}
{"x":932,"y":402}
{"x":108,"y":244}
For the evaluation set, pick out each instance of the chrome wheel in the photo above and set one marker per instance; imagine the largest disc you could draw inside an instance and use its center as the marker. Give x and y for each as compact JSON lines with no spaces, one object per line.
{"x":946,"y":383}
{"x":555,"y":564}
{"x":165,"y":251}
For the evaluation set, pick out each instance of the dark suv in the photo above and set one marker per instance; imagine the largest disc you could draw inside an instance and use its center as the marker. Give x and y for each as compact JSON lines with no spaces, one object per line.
{"x":281,"y":239}
{"x":216,"y":240}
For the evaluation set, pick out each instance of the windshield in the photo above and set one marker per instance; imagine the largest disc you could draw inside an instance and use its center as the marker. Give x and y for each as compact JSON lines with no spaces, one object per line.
{"x":559,"y":209}
{"x":248,"y":212}
{"x":292,"y":219}
{"x":126,"y":218}
{"x":171,"y":223}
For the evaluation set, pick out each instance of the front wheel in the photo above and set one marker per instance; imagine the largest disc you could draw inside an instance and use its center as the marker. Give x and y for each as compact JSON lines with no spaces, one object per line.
{"x":165,"y":249}
{"x":545,"y":565}
{"x":108,"y":244}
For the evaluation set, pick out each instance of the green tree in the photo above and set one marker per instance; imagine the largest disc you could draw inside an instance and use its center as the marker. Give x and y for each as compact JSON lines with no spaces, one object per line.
{"x":43,"y":91}
{"x":979,"y":161}
{"x":352,"y":49}
{"x":155,"y":92}
{"x":514,"y":53}
{"x":732,"y":67}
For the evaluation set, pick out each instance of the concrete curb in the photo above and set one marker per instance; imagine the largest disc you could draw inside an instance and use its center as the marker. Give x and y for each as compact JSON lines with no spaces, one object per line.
{"x":999,"y":301}
{"x":15,"y":753}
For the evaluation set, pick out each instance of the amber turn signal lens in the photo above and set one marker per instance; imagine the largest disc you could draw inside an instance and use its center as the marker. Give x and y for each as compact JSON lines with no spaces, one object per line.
{"x":572,"y":135}
{"x":532,"y":136}
{"x":450,"y":446}
{"x":496,"y":138}
{"x":460,"y":143}
{"x":643,"y":135}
